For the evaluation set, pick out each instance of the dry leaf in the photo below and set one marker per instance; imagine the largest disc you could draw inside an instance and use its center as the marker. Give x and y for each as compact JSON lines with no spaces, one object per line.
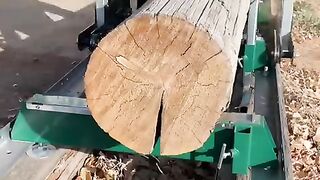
{"x":316,"y":137}
{"x":302,"y":105}
{"x":296,"y":115}
{"x":85,"y":174}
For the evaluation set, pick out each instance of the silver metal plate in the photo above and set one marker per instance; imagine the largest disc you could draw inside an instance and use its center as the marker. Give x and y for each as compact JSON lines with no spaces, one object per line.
{"x":10,"y":151}
{"x":63,"y":104}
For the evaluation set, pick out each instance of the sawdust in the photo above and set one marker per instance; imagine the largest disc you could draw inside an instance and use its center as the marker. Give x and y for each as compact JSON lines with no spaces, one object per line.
{"x":105,"y":166}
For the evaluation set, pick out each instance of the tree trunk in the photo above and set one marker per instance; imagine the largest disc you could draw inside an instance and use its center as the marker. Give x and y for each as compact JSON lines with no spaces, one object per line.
{"x":174,"y":61}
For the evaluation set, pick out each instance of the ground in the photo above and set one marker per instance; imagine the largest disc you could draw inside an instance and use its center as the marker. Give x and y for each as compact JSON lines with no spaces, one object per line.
{"x":36,"y":50}
{"x":308,"y":54}
{"x":306,"y":34}
{"x":301,"y":80}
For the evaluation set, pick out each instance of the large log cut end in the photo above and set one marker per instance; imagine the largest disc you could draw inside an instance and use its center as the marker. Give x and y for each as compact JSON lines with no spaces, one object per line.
{"x":168,"y":68}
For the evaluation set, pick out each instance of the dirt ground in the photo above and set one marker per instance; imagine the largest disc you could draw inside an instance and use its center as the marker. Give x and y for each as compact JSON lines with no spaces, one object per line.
{"x":301,"y":80}
{"x":308,"y":54}
{"x":35,"y":50}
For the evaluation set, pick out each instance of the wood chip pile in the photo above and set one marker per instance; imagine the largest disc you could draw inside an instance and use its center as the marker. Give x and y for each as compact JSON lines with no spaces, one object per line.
{"x":302,"y":99}
{"x":105,"y":166}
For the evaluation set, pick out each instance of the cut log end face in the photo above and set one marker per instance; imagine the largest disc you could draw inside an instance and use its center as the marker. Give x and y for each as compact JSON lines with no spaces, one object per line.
{"x":153,"y":62}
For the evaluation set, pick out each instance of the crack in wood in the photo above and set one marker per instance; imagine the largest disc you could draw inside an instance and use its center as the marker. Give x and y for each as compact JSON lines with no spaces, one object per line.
{"x":159,"y":119}
{"x":162,"y":7}
{"x":170,"y":44}
{"x":217,"y":21}
{"x":185,"y":51}
{"x":204,"y":9}
{"x":178,"y":8}
{"x":209,"y":84}
{"x":178,"y":56}
{"x":183,"y":68}
{"x":134,"y":40}
{"x":120,"y":114}
{"x":223,"y":5}
{"x":214,"y":55}
{"x":134,"y":81}
{"x":236,"y":22}
{"x":174,"y":120}
{"x":192,"y":131}
{"x":157,"y":24}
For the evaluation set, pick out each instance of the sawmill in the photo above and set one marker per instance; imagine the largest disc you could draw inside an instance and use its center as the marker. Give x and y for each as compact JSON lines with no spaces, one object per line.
{"x":197,"y":80}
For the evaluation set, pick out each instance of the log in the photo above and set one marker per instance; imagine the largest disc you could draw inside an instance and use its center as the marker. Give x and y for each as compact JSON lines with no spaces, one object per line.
{"x":174,"y":61}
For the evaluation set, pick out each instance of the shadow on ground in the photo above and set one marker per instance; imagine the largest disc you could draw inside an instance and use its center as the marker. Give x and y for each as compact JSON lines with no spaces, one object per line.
{"x":32,"y":65}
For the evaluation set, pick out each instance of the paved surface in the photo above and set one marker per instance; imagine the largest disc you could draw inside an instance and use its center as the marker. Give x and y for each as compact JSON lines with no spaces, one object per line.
{"x":37,"y":46}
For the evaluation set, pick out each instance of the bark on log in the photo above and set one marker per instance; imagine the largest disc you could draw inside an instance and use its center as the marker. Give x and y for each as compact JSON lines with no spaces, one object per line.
{"x":180,"y":55}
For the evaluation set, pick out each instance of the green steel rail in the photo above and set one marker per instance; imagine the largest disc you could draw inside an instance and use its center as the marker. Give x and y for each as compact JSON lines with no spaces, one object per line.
{"x":248,"y":137}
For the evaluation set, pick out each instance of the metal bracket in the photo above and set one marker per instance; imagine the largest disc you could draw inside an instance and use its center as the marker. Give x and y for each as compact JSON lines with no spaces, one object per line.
{"x":100,"y":12}
{"x":247,"y":102}
{"x":255,"y":48}
{"x":252,"y":22}
{"x":62,"y":104}
{"x":75,"y":105}
{"x":223,"y":155}
{"x":286,"y":28}
{"x":134,"y":5}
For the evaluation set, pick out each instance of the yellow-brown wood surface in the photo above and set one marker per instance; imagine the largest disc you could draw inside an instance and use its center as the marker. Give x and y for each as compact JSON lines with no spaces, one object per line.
{"x":173,"y":62}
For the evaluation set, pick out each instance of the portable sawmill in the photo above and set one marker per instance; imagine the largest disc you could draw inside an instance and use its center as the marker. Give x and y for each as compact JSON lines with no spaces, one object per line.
{"x":250,"y":140}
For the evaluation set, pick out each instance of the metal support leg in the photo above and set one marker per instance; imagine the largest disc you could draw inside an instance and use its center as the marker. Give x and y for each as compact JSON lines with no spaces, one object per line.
{"x":134,"y":5}
{"x":286,"y":27}
{"x":100,"y":12}
{"x":246,"y":105}
{"x":252,"y":23}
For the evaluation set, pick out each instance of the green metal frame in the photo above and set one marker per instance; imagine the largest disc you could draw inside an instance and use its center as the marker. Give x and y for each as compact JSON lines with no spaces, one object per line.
{"x":251,"y":142}
{"x":255,"y":56}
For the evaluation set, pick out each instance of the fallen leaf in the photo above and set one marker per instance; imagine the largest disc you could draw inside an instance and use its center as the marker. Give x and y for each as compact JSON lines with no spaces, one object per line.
{"x":296,"y":115}
{"x":85,"y":174}
{"x":316,"y":137}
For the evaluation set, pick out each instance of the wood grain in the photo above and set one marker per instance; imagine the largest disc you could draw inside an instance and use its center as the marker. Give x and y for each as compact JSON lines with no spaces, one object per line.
{"x":177,"y":55}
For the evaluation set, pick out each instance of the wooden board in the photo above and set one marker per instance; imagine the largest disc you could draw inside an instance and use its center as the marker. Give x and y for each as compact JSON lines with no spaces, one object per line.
{"x":174,"y":61}
{"x":69,"y":165}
